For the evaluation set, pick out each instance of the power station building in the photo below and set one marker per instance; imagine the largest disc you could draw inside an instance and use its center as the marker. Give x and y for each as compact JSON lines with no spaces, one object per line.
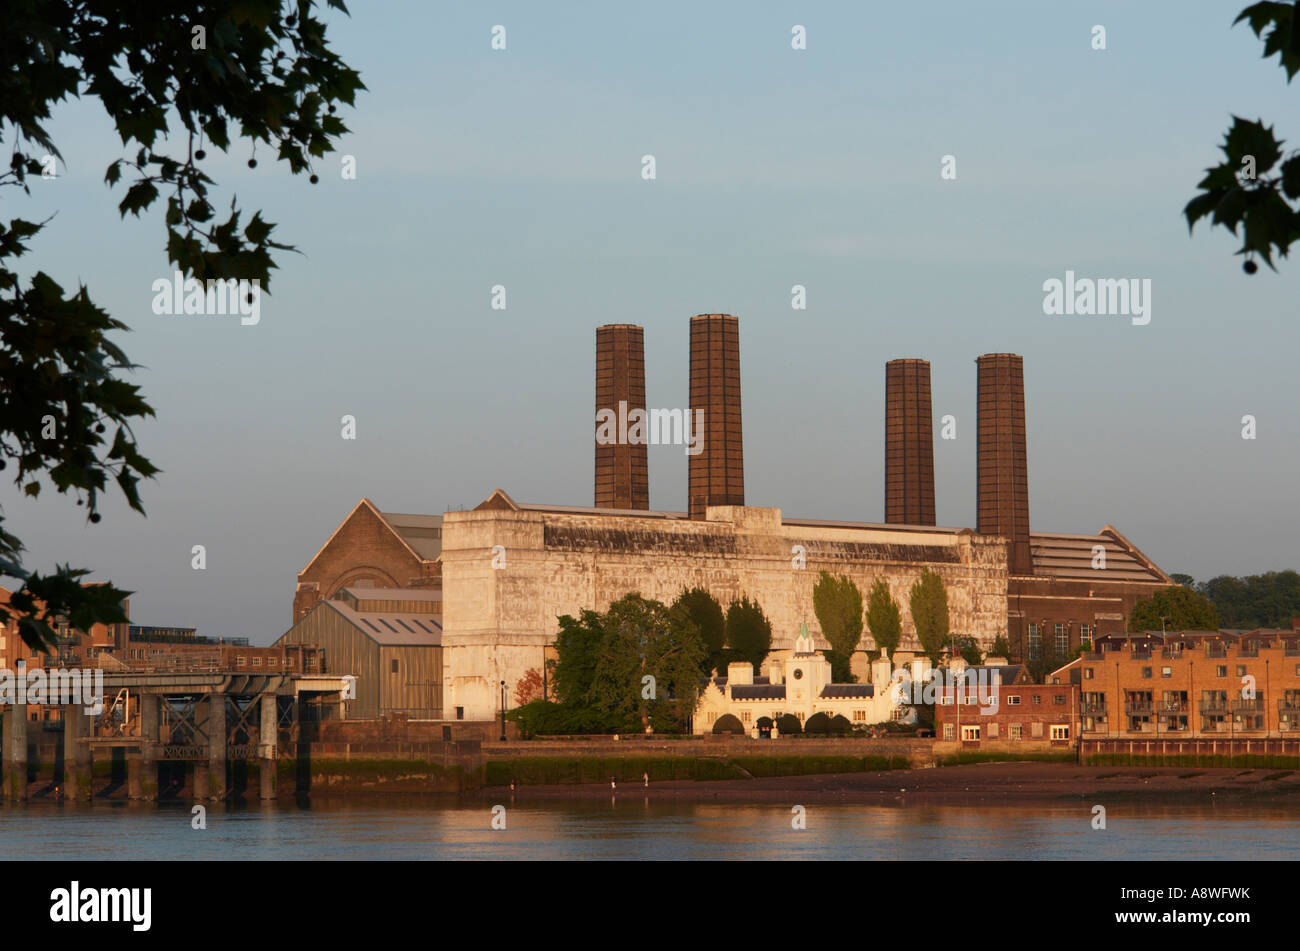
{"x":503,"y":572}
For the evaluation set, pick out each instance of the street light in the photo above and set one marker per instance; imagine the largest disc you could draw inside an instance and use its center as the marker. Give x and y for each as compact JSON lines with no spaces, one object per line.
{"x":503,"y":711}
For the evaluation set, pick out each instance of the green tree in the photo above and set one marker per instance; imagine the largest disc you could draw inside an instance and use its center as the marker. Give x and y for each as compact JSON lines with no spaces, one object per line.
{"x":749,"y":632}
{"x":884,"y":619}
{"x":1181,"y":608}
{"x":184,"y":72}
{"x":705,"y":611}
{"x":1001,"y":647}
{"x":1187,"y":581}
{"x":578,"y":652}
{"x":969,"y":650}
{"x":1271,"y":599}
{"x":1239,"y":192}
{"x":838,"y":604}
{"x":929,"y":603}
{"x":604,"y":660}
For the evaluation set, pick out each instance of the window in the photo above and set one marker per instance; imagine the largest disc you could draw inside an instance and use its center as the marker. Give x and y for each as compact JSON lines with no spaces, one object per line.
{"x":1166,"y":671}
{"x":1222,"y":670}
{"x":1013,"y":700}
{"x":460,"y":713}
{"x":1241,"y":670}
{"x":257,"y":662}
{"x":394,"y":665}
{"x":1037,"y":699}
{"x":1060,"y":733}
{"x":1016,"y":731}
{"x":948,"y":731}
{"x":1086,"y":631}
{"x":1087,"y":673}
{"x":241,"y":661}
{"x":273,"y":662}
{"x":744,"y":714}
{"x":859,"y":716}
{"x":970,"y":732}
{"x":1059,"y":699}
{"x":1035,"y":641}
{"x":1146,"y":673}
{"x":1062,"y":632}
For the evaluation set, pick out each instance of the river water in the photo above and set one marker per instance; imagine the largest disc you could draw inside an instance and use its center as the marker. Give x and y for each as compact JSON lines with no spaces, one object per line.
{"x":630,"y":827}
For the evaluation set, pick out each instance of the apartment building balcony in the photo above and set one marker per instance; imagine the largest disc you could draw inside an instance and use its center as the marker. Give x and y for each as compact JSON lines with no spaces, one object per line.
{"x":1291,"y":650}
{"x":1096,"y":655}
{"x":1248,"y":652}
{"x":1140,"y":655}
{"x":1171,"y":653}
{"x":1173,"y":706}
{"x":1092,"y":708}
{"x":1139,"y":707}
{"x":1213,"y":707}
{"x":1216,"y":651}
{"x":1248,"y":706}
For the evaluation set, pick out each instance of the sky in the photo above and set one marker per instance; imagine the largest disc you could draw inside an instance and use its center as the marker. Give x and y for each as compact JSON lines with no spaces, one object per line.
{"x":774,"y":167}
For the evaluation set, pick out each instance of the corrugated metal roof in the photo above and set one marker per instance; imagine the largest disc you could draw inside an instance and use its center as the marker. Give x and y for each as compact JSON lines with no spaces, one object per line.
{"x":421,"y":631}
{"x":421,"y":532}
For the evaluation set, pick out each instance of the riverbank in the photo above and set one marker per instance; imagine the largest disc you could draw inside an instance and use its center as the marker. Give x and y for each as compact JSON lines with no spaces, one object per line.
{"x":976,"y":783}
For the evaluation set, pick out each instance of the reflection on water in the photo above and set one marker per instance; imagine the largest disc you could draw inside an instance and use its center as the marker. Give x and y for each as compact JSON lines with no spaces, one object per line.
{"x":630,"y":827}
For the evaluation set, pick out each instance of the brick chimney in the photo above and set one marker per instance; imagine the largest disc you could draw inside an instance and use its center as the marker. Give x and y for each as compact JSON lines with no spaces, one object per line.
{"x":1002,"y":480}
{"x":622,"y":469}
{"x":716,"y":476}
{"x":909,"y":443}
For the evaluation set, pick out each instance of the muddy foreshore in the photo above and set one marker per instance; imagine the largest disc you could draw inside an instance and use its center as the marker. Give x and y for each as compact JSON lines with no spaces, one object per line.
{"x":973,"y":783}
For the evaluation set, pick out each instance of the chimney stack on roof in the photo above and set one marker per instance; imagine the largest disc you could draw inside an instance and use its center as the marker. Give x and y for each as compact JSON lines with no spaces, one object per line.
{"x":622,"y":468}
{"x":1002,"y":480}
{"x":716,"y":475}
{"x":909,"y":443}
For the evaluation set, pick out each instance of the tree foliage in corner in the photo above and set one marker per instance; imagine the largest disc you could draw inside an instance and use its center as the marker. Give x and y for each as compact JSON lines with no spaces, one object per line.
{"x":929,"y":603}
{"x":1240,"y":193}
{"x":838,"y":604}
{"x":206,"y":70}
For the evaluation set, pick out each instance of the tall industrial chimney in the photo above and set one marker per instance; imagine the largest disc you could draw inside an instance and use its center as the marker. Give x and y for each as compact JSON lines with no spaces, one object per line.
{"x":909,"y":443}
{"x":622,"y":470}
{"x":1002,"y":495}
{"x":716,"y":474}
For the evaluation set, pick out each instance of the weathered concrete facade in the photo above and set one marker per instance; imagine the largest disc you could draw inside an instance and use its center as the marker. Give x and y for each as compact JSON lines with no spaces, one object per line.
{"x":501,"y":603}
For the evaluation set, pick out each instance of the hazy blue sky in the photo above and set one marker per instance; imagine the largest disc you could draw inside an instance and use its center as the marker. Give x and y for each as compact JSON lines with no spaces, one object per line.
{"x":775,"y":167}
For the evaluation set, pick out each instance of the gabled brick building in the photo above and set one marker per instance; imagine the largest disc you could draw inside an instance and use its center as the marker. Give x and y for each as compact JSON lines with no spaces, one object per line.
{"x":372,"y":549}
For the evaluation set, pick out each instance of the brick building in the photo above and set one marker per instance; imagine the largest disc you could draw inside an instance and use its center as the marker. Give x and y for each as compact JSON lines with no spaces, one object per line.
{"x":1012,"y":711}
{"x":372,"y":549}
{"x":507,"y":569}
{"x":1190,"y":684}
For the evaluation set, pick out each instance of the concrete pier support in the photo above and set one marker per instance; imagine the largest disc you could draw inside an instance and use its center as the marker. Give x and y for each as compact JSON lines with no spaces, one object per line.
{"x":134,"y":776}
{"x":266,"y":746}
{"x":76,"y":754}
{"x":15,"y":752}
{"x":200,"y":782}
{"x":149,"y":734}
{"x":217,"y":746}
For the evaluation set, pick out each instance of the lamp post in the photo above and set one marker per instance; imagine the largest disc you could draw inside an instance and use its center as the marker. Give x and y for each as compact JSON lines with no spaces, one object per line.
{"x":503,"y":711}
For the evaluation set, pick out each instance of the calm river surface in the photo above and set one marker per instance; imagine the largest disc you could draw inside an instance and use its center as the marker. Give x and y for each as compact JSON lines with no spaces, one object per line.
{"x":396,"y":827}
